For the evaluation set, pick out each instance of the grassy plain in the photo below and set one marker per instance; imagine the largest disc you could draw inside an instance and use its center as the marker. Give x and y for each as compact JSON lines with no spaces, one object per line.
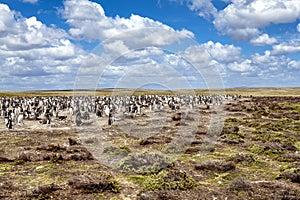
{"x":264,"y":91}
{"x":255,"y":156}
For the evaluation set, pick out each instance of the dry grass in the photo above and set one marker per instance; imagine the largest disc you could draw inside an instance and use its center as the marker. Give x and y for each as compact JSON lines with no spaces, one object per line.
{"x":272,"y":91}
{"x":262,"y":163}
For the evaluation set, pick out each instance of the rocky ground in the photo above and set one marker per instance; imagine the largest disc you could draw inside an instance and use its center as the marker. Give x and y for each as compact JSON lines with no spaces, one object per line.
{"x":248,"y":149}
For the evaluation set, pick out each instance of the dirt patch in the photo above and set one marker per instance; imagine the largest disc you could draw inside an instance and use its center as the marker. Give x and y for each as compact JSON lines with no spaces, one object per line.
{"x":240,"y":184}
{"x":215,"y":165}
{"x":43,"y":192}
{"x":144,"y":163}
{"x":156,"y":140}
{"x":256,"y":156}
{"x":55,"y":153}
{"x":88,"y":183}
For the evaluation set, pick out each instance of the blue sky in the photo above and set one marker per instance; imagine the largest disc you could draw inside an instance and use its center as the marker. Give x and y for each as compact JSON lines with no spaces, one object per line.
{"x":165,"y":43}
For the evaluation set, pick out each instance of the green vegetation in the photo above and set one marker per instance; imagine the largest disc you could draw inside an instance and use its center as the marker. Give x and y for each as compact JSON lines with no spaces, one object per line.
{"x":169,"y":180}
{"x":144,"y":163}
{"x":255,"y":157}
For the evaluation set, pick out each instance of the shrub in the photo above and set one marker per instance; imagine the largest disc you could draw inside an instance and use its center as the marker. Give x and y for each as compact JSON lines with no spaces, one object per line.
{"x":216,"y":165}
{"x":239,"y":184}
{"x":169,"y":180}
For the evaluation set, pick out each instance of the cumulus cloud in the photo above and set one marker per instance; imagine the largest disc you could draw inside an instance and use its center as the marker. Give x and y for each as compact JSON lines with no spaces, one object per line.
{"x":262,"y":40}
{"x":286,"y":48}
{"x":88,"y":21}
{"x":242,"y":19}
{"x":198,"y":55}
{"x":26,"y":33}
{"x":268,"y":62}
{"x":205,"y":65}
{"x":150,"y":66}
{"x":294,"y":64}
{"x":276,"y":70}
{"x":243,"y":67}
{"x":222,"y":53}
{"x":128,"y":43}
{"x":29,"y":50}
{"x":33,"y":55}
{"x":204,"y":8}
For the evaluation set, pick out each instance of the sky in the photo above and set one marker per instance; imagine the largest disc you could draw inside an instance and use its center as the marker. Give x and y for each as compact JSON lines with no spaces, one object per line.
{"x":158,"y":44}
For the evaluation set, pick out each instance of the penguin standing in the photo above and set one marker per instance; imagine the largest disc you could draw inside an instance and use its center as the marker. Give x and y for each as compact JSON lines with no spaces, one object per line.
{"x":9,"y":125}
{"x":78,"y":119}
{"x":110,"y":118}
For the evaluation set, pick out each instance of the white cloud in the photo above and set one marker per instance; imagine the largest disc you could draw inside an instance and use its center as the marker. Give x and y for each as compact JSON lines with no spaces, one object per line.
{"x":243,"y":19}
{"x":276,"y":69}
{"x":269,"y":62}
{"x":294,"y":64}
{"x":213,"y":56}
{"x":243,"y":67}
{"x":205,"y":8}
{"x":88,"y":21}
{"x":222,"y":53}
{"x":198,"y":55}
{"x":263,"y":59}
{"x":117,"y":46}
{"x":26,"y":33}
{"x":150,"y":65}
{"x":30,"y":1}
{"x":262,"y":40}
{"x":298,"y":27}
{"x":286,"y":48}
{"x":7,"y":24}
{"x":31,"y":51}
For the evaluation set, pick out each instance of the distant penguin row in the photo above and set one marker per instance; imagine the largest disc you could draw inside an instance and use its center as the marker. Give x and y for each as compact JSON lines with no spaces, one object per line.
{"x":46,"y":109}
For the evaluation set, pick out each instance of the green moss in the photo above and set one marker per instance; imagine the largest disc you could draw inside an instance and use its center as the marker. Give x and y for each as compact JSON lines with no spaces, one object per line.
{"x":238,"y":137}
{"x":137,"y":178}
{"x":44,"y":168}
{"x":169,"y":180}
{"x":123,"y":150}
{"x":232,"y":121}
{"x":5,"y":167}
{"x":226,"y":176}
{"x":283,"y":124}
{"x":253,"y":124}
{"x":145,"y":162}
{"x":297,"y":145}
{"x":126,"y":148}
{"x":40,"y":179}
{"x":115,"y":185}
{"x":273,"y":136}
{"x":224,"y":152}
{"x":260,"y":113}
{"x":273,"y":126}
{"x":290,"y":106}
{"x":114,"y":198}
{"x":256,"y":149}
{"x":220,"y":180}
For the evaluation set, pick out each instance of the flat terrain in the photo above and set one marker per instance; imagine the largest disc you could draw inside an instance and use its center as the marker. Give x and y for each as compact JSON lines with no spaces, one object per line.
{"x":254,"y":154}
{"x":272,"y":91}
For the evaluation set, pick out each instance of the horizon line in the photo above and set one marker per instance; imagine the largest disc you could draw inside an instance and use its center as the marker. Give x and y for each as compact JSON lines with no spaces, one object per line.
{"x":99,"y":89}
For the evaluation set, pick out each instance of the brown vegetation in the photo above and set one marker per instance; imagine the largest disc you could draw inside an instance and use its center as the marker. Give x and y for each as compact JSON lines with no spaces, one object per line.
{"x":255,"y":156}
